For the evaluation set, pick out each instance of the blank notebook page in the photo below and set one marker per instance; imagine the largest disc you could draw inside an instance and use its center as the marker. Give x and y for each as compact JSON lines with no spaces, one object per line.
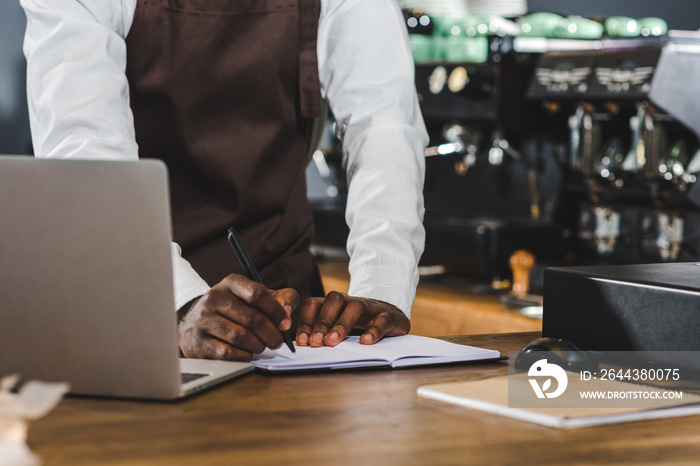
{"x":405,"y":350}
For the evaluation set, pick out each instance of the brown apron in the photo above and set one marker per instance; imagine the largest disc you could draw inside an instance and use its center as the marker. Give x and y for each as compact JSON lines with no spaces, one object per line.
{"x":223,"y":91}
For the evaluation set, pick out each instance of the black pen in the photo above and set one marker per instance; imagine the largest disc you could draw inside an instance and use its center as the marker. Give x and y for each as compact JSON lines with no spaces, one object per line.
{"x":251,"y":272}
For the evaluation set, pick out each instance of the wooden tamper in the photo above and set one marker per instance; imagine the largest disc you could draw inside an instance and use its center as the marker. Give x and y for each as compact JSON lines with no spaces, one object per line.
{"x":521,"y":263}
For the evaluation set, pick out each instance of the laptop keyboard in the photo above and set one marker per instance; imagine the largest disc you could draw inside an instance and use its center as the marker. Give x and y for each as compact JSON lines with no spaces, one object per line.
{"x":190,"y":376}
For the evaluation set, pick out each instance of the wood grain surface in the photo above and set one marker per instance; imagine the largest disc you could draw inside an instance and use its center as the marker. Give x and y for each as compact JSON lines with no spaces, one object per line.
{"x":368,"y":417}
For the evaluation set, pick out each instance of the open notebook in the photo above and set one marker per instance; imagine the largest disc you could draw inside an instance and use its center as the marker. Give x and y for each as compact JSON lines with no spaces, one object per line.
{"x":402,"y":351}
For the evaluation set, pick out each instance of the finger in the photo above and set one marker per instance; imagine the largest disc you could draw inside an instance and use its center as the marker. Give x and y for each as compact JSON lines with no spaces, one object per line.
{"x":288,"y":299}
{"x":235,"y":335}
{"x":256,"y":295}
{"x":221,"y":302}
{"x":254,"y":322}
{"x":307,"y":316}
{"x":332,"y":306}
{"x":384,"y":325}
{"x":345,"y":323}
{"x":214,"y":348}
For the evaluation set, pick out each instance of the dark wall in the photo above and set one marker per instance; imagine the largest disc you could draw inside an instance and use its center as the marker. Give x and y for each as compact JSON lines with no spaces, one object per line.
{"x":679,"y":14}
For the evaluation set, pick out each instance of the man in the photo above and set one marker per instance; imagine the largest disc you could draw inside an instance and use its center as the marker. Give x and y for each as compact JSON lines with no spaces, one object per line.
{"x":224,"y":91}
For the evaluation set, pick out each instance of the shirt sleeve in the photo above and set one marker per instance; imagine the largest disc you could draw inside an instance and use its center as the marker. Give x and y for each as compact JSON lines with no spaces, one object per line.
{"x":78,"y":93}
{"x":367,"y":75}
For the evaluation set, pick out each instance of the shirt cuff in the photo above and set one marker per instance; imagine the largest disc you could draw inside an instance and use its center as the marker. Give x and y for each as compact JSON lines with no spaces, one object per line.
{"x":385,"y":284}
{"x":188,"y":284}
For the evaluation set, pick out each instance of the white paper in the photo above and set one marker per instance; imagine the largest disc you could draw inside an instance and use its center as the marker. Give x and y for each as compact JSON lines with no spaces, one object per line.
{"x":405,"y":350}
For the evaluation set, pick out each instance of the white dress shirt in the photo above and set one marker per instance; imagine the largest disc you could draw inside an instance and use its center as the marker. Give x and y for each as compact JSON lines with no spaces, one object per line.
{"x":79,"y":108}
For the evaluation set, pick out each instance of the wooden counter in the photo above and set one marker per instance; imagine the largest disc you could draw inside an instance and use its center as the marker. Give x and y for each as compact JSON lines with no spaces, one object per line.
{"x":369,"y":417}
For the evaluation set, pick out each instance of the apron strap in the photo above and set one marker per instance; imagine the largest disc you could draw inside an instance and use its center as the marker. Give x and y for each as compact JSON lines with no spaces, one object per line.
{"x":309,"y":84}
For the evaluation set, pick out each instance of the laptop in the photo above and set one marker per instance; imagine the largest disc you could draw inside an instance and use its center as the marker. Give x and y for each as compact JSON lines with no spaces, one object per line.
{"x":86,"y":280}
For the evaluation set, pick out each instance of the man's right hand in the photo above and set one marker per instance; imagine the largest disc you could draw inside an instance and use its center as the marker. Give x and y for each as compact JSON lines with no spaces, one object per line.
{"x":234,"y":319}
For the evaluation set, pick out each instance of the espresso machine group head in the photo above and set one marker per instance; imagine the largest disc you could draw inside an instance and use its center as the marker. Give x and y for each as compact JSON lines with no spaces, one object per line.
{"x":633,"y":152}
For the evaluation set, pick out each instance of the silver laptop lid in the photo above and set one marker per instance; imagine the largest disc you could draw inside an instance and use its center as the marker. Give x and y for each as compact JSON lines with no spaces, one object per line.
{"x":86,"y":288}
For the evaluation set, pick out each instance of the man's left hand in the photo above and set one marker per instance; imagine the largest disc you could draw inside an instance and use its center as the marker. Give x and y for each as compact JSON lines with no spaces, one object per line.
{"x":328,"y":321}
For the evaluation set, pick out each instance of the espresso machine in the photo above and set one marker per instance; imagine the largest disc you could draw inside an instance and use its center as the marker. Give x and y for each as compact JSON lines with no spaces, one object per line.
{"x":494,"y":169}
{"x":578,"y":151}
{"x":570,"y":151}
{"x":633,"y":153}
